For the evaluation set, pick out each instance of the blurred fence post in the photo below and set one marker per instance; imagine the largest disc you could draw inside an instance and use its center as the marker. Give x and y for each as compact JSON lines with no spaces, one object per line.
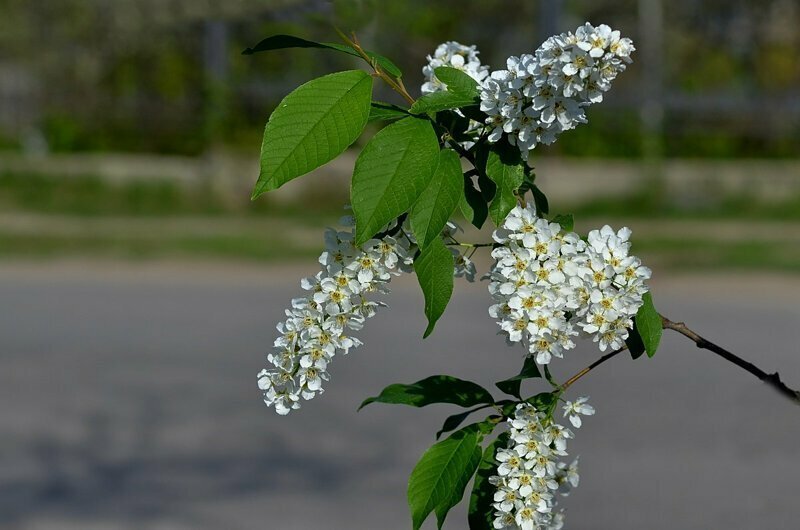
{"x":550,"y":12}
{"x":216,"y":103}
{"x":651,"y":101}
{"x":215,"y":59}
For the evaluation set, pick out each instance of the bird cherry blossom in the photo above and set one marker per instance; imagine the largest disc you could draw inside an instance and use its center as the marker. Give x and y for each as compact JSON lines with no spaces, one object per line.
{"x":531,"y":473}
{"x":550,"y":286}
{"x":538,"y":96}
{"x":320,"y":325}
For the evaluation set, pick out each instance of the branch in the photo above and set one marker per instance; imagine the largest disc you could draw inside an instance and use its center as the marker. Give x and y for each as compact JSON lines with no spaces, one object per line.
{"x":471,"y":245}
{"x":395,"y":83}
{"x":591,"y":367}
{"x":469,"y":157}
{"x":464,"y":153}
{"x":773,"y":380}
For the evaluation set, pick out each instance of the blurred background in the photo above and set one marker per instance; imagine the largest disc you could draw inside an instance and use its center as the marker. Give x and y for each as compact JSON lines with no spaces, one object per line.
{"x":139,"y":284}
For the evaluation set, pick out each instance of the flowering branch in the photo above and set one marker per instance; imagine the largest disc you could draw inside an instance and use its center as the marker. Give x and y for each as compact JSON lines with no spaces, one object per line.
{"x":773,"y":380}
{"x":549,"y":285}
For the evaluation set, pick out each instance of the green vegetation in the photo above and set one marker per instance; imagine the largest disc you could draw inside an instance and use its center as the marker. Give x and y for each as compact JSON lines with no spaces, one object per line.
{"x":271,"y":247}
{"x":651,"y":204}
{"x":707,"y":254}
{"x":134,"y":77}
{"x":92,"y":196}
{"x":86,"y":216}
{"x":95,"y":197}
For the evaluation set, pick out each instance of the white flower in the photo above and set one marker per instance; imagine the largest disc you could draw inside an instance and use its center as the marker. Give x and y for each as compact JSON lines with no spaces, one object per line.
{"x":569,"y":473}
{"x":464,"y":58}
{"x":540,"y":95}
{"x":464,"y":267}
{"x":506,"y":498}
{"x":505,"y":521}
{"x":527,"y":518}
{"x":548,"y":285}
{"x":557,"y":435}
{"x":529,"y":472}
{"x":454,"y":55}
{"x":556,"y":521}
{"x":530,"y":283}
{"x":317,"y":327}
{"x":573,"y":410}
{"x":338,"y":302}
{"x":510,"y":462}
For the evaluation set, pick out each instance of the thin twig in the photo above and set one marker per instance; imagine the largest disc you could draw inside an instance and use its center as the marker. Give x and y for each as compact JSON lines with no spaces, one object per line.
{"x":773,"y":380}
{"x":591,"y":367}
{"x":471,"y":245}
{"x":464,"y":153}
{"x":395,"y":83}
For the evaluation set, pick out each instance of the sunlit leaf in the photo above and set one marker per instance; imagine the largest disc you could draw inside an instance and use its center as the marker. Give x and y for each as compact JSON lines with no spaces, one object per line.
{"x":313,"y":125}
{"x":391,"y":172}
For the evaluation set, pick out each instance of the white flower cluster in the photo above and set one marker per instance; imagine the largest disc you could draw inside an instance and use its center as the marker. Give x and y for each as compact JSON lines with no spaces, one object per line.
{"x":530,"y":473}
{"x":548,"y":285}
{"x":454,"y":55}
{"x":543,"y":94}
{"x":318,"y":326}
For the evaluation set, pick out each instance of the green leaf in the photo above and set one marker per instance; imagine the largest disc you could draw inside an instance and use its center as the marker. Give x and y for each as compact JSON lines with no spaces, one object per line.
{"x":549,"y":377}
{"x":441,"y":475}
{"x":433,"y":389}
{"x":439,"y":199}
{"x":474,"y":112}
{"x":391,"y":173}
{"x":379,"y":111}
{"x":512,"y":385}
{"x":528,"y":180}
{"x":648,"y":324}
{"x":457,"y":81}
{"x":566,"y":221}
{"x":481,"y":512}
{"x":313,"y":125}
{"x":473,"y":205}
{"x":485,"y":427}
{"x":280,"y":42}
{"x":461,"y":91}
{"x":634,"y":342}
{"x":455,"y":124}
{"x":488,"y":188}
{"x":439,"y":101}
{"x":543,"y":401}
{"x":434,"y":267}
{"x":505,"y":168}
{"x":460,"y":486}
{"x":540,"y":200}
{"x":452,"y":422}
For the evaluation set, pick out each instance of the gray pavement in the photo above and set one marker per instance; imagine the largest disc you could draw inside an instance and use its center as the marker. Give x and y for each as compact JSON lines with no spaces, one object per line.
{"x":128,"y":401}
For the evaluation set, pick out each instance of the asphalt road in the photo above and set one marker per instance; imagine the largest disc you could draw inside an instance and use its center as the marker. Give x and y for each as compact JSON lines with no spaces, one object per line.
{"x":128,"y":400}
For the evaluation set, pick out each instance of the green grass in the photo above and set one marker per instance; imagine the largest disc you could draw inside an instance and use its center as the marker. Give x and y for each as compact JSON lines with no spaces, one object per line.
{"x":247,"y":248}
{"x":653,"y":205}
{"x":262,"y":234}
{"x":92,"y":196}
{"x":659,"y":253}
{"x":695,"y":254}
